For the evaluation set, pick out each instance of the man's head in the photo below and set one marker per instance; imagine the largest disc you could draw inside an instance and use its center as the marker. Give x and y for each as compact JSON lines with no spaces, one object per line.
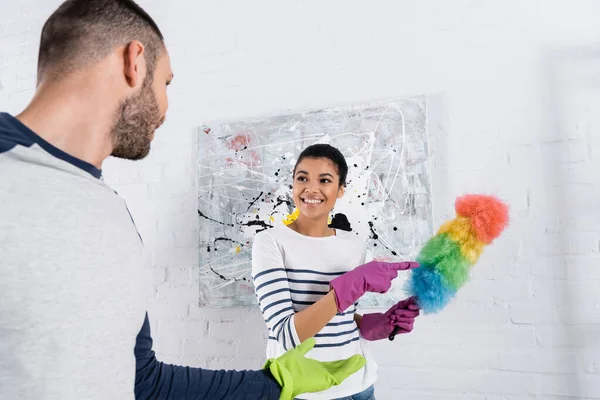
{"x":121,"y":37}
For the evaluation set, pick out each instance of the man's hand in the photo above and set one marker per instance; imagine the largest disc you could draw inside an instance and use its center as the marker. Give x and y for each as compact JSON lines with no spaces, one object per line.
{"x":297,"y":374}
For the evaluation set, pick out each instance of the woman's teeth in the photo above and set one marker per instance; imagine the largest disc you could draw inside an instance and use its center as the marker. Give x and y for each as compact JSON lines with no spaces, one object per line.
{"x":311,"y":201}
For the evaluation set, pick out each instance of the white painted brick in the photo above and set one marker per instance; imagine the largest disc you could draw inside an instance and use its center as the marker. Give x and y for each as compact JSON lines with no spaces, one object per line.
{"x":224,"y":330}
{"x":543,"y":313}
{"x":110,"y":175}
{"x":150,"y":172}
{"x":445,"y":395}
{"x":479,"y":290}
{"x":571,"y":384}
{"x":178,"y":259}
{"x":553,"y":244}
{"x":549,"y":153}
{"x":443,"y":356}
{"x":166,"y":344}
{"x":177,"y":293}
{"x":235,"y":363}
{"x":181,"y":276}
{"x":193,"y":330}
{"x":583,"y":173}
{"x":565,"y":200}
{"x":530,"y":313}
{"x":594,"y":149}
{"x":538,"y":360}
{"x":254,"y":348}
{"x":159,"y":309}
{"x":580,"y":223}
{"x":547,"y":266}
{"x":194,"y":361}
{"x":127,"y":172}
{"x":462,"y":310}
{"x":210,"y":347}
{"x":447,"y":379}
{"x":159,"y":275}
{"x":573,"y":293}
{"x":581,"y":336}
{"x":582,"y":268}
{"x":460,"y":334}
{"x":239,"y":363}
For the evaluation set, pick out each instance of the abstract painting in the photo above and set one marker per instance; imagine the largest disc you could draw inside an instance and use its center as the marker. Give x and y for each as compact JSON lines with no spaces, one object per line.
{"x":245,"y":176}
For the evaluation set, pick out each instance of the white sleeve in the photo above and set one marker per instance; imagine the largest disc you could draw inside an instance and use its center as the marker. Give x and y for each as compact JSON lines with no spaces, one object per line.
{"x":273,"y":291}
{"x":368,"y":256}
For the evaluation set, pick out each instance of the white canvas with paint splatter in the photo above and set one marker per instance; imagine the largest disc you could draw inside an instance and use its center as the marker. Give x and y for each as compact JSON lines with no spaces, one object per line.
{"x":245,"y":177}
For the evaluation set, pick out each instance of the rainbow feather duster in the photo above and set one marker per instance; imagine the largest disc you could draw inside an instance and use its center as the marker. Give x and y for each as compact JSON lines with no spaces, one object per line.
{"x":448,"y":256}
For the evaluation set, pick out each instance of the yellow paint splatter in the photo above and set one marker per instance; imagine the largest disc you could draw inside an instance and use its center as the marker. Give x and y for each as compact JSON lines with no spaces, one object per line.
{"x":291,"y":217}
{"x":238,"y":249}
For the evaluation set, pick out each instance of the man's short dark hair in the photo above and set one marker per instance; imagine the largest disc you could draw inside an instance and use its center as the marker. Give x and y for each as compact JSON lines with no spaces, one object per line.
{"x":81,"y":32}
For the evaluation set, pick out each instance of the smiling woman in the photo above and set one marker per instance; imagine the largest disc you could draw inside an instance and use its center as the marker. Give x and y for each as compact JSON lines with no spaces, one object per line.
{"x":295,"y":267}
{"x":319,"y":180}
{"x":292,"y":267}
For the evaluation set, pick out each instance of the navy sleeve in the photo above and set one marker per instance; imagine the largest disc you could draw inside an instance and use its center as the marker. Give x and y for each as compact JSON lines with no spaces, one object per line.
{"x":159,"y":381}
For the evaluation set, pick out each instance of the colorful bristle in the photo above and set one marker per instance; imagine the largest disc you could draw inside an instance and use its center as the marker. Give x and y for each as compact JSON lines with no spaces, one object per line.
{"x":448,"y":256}
{"x":431,"y":293}
{"x":462,"y":233}
{"x":488,"y":215}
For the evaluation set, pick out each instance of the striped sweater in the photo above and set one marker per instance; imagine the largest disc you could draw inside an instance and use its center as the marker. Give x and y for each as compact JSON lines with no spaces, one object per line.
{"x":292,"y":271}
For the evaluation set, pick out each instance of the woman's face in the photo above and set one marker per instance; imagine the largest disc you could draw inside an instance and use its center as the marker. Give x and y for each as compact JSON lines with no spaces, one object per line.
{"x":316,"y":187}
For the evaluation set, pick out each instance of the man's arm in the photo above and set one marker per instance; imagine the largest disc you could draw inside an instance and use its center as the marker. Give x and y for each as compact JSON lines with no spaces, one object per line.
{"x":159,"y":381}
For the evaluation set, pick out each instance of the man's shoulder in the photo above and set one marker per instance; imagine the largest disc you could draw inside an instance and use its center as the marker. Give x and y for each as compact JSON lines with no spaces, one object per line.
{"x":10,"y":135}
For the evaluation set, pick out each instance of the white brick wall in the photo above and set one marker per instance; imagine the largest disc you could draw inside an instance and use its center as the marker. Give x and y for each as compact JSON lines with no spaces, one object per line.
{"x":514,"y":103}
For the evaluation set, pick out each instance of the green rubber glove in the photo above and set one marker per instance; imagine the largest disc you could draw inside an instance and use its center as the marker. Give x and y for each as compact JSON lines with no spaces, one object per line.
{"x":297,"y":374}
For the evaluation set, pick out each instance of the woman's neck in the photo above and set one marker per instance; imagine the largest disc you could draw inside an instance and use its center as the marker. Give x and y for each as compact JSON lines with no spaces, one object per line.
{"x":310,"y":227}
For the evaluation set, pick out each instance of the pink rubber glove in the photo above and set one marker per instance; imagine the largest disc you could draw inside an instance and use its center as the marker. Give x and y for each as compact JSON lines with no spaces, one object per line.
{"x":374,"y":276}
{"x":379,"y":326}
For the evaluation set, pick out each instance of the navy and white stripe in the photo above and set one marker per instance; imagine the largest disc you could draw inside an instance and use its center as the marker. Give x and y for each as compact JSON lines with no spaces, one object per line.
{"x":282,"y":291}
{"x":291,"y":272}
{"x":273,"y":294}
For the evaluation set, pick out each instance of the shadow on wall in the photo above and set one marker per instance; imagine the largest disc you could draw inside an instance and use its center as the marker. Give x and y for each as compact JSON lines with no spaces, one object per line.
{"x":570,"y":79}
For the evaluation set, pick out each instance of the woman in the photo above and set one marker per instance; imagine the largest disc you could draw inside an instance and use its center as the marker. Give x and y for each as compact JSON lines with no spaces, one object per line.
{"x":306,"y":285}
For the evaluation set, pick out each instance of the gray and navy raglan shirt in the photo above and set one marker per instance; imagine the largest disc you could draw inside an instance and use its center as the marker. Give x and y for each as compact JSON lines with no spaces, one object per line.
{"x":73,"y":284}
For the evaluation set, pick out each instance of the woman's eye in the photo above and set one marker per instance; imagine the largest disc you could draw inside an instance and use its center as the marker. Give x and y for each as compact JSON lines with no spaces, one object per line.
{"x":325,"y":181}
{"x":301,"y":179}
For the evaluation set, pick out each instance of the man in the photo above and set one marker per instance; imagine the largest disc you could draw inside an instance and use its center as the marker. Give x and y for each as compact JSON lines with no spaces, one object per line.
{"x":73,"y":321}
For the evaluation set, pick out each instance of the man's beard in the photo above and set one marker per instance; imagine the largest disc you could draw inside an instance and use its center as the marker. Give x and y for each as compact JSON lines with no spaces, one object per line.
{"x":137,"y":119}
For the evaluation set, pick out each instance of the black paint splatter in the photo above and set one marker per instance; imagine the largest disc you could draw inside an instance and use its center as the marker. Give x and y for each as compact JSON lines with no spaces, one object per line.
{"x":254,"y":201}
{"x":340,"y":221}
{"x":263,"y":224}
{"x":280,"y":201}
{"x":225,"y":278}
{"x":213,"y":220}
{"x":224,"y":239}
{"x":375,"y":236}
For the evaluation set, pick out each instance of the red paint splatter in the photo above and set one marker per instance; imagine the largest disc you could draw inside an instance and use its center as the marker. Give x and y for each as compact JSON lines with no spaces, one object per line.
{"x":207,"y":131}
{"x":239,"y":142}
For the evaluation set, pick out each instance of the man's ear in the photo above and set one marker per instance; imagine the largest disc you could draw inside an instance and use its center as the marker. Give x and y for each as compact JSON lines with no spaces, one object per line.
{"x":134,"y":65}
